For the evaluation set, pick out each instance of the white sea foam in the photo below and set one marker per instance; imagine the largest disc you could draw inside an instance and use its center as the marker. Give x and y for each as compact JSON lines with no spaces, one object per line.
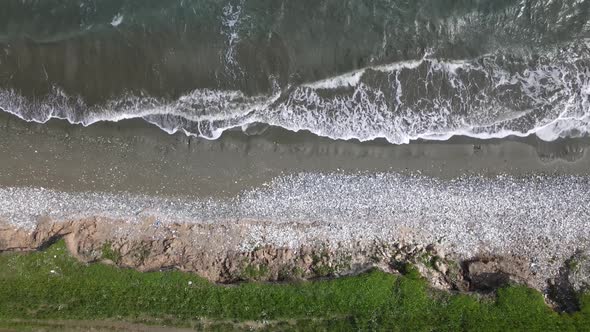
{"x":117,"y":20}
{"x":232,"y":18}
{"x":423,"y":99}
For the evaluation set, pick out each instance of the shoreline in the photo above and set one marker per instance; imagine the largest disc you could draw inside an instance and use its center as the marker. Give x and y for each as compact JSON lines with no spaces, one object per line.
{"x":136,"y":157}
{"x":295,"y":192}
{"x":463,"y":220}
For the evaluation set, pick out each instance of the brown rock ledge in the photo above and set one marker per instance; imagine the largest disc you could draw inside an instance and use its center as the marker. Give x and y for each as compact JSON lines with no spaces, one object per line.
{"x":213,"y":251}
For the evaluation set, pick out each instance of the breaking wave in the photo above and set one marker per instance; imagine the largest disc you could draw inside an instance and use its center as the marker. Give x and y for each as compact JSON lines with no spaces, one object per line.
{"x":491,"y":96}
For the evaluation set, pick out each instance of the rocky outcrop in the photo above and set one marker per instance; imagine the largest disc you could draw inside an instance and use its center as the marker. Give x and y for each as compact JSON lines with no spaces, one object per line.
{"x":578,"y":271}
{"x":489,"y":273}
{"x":215,"y":252}
{"x":573,"y":279}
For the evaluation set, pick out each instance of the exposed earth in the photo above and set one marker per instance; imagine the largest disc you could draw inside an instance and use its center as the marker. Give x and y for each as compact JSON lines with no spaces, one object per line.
{"x":213,"y":252}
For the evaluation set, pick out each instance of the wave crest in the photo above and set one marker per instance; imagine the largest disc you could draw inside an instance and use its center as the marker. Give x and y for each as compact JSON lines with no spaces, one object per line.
{"x":492,"y":96}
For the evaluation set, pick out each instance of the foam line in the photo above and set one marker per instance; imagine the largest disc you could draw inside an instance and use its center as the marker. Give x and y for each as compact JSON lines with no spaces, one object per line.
{"x":546,"y":95}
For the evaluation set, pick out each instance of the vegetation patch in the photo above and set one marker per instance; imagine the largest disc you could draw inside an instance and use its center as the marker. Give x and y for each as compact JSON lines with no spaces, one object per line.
{"x":291,"y":273}
{"x":573,"y":264}
{"x":141,"y":253}
{"x":427,"y":260}
{"x":322,"y":267}
{"x":323,"y":270}
{"x":255,"y":272}
{"x":52,"y":286}
{"x":110,"y":253}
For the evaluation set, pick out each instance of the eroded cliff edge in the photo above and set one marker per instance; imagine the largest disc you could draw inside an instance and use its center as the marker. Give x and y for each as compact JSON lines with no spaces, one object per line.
{"x":217,"y":252}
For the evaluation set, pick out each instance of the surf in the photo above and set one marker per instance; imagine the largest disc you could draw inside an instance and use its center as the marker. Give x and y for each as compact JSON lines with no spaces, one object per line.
{"x":492,"y":96}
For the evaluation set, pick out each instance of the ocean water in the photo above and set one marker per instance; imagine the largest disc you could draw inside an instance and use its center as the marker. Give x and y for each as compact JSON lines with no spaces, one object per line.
{"x":401,"y":70}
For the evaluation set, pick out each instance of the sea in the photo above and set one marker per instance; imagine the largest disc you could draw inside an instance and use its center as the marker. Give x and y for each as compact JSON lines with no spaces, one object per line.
{"x":398,"y":70}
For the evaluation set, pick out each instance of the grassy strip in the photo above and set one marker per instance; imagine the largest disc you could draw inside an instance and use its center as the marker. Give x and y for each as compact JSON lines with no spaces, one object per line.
{"x":52,"y":285}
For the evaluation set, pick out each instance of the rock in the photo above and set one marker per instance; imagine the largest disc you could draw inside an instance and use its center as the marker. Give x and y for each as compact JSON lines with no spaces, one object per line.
{"x":578,"y":271}
{"x":484,"y":278}
{"x":486,"y":274}
{"x":573,"y":279}
{"x":435,"y":279}
{"x":399,"y":256}
{"x":410,"y":249}
{"x":440,"y":266}
{"x":307,"y":260}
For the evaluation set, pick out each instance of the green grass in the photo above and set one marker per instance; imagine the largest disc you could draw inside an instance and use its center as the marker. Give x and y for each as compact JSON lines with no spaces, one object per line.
{"x":51,"y":285}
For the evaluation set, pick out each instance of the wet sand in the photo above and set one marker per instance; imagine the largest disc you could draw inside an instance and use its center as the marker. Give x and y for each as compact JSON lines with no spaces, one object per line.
{"x":136,"y":157}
